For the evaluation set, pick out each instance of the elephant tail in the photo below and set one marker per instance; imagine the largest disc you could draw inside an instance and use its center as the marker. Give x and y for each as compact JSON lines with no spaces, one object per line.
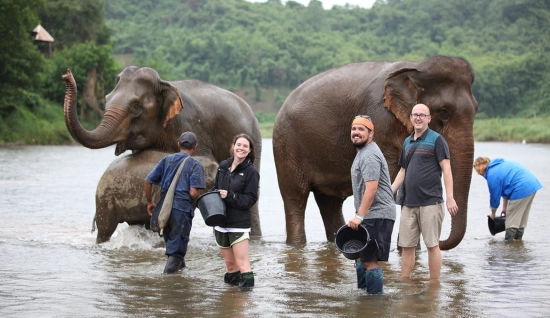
{"x":93,"y":225}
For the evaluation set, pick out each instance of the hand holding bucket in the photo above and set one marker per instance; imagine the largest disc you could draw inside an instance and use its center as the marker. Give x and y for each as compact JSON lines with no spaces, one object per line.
{"x":352,"y":242}
{"x":212,"y":208}
{"x":497,"y":225}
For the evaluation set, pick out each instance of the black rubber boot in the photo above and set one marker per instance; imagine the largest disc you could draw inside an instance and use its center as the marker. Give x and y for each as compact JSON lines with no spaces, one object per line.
{"x":247,"y":280}
{"x":172,"y":265}
{"x":510,"y":233}
{"x":182,"y":266}
{"x":232,"y":278}
{"x":519,"y":234}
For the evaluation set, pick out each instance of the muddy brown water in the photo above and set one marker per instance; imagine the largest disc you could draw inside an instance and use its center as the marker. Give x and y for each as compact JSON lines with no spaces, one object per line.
{"x":50,"y":265}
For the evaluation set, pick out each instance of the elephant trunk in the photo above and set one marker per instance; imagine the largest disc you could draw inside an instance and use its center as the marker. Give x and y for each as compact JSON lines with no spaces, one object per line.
{"x":100,"y":137}
{"x":462,"y":176}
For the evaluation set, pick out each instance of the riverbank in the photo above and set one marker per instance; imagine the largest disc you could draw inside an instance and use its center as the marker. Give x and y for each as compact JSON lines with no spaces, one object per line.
{"x":528,"y":130}
{"x":532,"y":130}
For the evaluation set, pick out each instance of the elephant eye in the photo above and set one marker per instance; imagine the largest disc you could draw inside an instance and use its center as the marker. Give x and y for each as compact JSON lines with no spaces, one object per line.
{"x":443,"y":113}
{"x":136,"y":109}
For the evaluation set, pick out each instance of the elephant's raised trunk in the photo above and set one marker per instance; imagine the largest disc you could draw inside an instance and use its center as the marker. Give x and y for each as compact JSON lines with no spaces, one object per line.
{"x":100,"y":137}
{"x":462,"y":176}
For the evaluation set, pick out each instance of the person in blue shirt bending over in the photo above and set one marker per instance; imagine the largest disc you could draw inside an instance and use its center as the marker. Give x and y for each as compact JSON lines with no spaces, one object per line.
{"x":516,"y":186}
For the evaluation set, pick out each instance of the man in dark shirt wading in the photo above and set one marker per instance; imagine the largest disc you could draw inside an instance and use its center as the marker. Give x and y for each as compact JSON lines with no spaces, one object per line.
{"x":424,"y":157}
{"x":178,"y":228}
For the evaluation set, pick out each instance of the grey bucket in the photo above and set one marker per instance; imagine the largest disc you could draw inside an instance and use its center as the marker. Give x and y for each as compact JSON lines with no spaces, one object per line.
{"x":497,"y":225}
{"x":212,"y":208}
{"x":351,"y":242}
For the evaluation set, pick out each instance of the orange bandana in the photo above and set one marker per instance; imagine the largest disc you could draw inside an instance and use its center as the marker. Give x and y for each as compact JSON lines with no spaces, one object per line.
{"x":363,"y":121}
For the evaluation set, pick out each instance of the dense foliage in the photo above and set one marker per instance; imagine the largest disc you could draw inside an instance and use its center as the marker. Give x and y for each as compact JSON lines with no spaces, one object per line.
{"x":259,"y":46}
{"x":31,"y":89}
{"x":234,"y":43}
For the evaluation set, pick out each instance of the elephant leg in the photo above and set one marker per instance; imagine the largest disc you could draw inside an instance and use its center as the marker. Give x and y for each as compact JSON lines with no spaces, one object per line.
{"x":295,"y":201}
{"x":105,"y":232}
{"x":106,"y":223}
{"x":331,"y":212}
{"x":256,"y":229}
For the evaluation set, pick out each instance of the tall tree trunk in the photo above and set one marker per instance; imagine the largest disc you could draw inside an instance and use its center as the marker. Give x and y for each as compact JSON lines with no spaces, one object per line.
{"x":89,"y":92}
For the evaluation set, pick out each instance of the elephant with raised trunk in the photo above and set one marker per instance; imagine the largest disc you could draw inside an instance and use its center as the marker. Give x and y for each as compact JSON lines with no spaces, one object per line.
{"x":311,"y":142}
{"x":144,"y":112}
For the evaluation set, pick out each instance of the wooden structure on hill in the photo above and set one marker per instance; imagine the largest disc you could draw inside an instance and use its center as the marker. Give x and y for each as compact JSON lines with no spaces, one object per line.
{"x":40,"y":35}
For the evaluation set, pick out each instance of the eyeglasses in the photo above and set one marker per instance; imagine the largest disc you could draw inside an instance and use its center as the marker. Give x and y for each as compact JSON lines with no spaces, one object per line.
{"x":421,"y":116}
{"x":363,"y":116}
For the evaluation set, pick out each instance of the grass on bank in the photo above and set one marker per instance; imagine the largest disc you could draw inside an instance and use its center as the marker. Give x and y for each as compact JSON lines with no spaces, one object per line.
{"x":266,"y":121}
{"x":43,"y":128}
{"x":532,"y":130}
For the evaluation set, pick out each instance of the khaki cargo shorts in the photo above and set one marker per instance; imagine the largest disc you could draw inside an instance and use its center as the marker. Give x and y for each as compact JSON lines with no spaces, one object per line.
{"x":425,"y":220}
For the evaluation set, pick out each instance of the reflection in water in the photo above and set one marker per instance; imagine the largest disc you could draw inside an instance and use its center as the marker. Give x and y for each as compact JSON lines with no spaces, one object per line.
{"x":51,"y":266}
{"x":422,"y":295}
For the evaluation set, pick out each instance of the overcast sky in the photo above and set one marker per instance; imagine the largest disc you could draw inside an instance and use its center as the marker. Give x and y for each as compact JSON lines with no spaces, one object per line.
{"x":327,"y":4}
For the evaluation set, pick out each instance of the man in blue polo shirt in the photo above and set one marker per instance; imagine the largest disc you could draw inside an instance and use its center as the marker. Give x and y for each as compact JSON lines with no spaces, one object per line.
{"x":178,"y":228}
{"x":424,"y":157}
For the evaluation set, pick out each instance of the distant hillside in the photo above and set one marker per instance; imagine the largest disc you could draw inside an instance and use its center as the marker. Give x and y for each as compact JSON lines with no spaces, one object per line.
{"x":261,"y":51}
{"x":236,"y":44}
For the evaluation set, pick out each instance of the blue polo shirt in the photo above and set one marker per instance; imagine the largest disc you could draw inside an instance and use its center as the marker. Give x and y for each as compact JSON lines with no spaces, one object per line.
{"x":423,"y":185}
{"x":192,"y":176}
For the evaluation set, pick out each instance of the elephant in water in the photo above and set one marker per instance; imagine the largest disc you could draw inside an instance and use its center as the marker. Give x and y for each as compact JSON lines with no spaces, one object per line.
{"x":311,"y":135}
{"x":144,"y":112}
{"x":120,"y":195}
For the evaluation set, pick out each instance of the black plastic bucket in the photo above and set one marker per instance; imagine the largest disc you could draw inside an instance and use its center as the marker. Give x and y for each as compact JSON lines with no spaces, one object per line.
{"x":351,"y":242}
{"x":497,"y":225}
{"x":212,"y":208}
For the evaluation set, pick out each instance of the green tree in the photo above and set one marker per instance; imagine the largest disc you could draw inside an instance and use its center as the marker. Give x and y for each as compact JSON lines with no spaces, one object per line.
{"x":74,"y":21}
{"x":81,"y":44}
{"x":21,"y":64}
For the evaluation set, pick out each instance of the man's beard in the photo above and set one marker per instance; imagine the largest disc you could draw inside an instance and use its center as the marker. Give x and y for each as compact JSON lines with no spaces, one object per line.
{"x":360,"y":144}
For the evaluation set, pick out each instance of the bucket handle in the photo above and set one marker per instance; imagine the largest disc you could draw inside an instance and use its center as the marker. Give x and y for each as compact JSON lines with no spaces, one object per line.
{"x":501,"y":214}
{"x":335,"y":233}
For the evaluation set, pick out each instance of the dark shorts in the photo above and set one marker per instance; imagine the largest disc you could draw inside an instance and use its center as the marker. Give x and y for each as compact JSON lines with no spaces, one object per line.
{"x":380,"y":231}
{"x":226,"y":240}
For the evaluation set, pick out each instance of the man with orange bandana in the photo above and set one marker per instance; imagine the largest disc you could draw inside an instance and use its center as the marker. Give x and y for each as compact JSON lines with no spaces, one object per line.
{"x":374,"y":204}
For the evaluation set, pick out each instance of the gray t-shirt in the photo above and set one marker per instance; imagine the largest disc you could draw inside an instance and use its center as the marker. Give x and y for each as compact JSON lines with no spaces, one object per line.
{"x":369,"y":165}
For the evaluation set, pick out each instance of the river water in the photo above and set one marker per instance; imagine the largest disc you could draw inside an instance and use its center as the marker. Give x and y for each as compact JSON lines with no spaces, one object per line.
{"x":50,"y":265}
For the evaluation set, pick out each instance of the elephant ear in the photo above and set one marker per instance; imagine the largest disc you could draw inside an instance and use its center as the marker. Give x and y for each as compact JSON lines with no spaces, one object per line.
{"x":173,"y":103}
{"x":401,"y":94}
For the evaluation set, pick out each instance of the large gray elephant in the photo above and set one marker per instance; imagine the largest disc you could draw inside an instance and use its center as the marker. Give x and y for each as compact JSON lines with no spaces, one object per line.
{"x":120,"y":195}
{"x":144,"y":112}
{"x":311,"y":135}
